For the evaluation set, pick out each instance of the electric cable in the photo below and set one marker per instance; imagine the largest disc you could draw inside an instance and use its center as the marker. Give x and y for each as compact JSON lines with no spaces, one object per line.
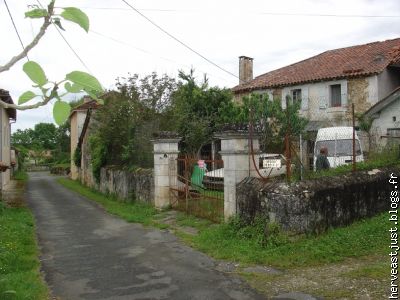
{"x":15,"y":28}
{"x":179,"y":41}
{"x":68,"y":44}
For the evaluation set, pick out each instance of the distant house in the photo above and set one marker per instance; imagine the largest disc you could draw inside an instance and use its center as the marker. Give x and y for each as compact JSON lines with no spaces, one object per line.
{"x":327,"y":84}
{"x":386,"y":119}
{"x":79,"y":120}
{"x":7,"y":116}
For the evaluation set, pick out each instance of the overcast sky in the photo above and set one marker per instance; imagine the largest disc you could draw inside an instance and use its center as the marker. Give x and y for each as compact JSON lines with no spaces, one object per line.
{"x":120,"y":41}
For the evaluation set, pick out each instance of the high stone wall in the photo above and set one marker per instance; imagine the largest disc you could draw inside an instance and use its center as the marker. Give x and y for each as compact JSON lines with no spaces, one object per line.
{"x":319,"y":204}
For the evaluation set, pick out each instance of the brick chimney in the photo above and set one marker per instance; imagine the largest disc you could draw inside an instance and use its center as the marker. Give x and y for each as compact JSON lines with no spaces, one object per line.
{"x":245,"y":69}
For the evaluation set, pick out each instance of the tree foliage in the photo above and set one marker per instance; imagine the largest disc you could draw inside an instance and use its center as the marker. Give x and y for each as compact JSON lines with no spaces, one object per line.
{"x":42,"y":138}
{"x":124,"y":125}
{"x":46,"y":90}
{"x":197,"y":111}
{"x":268,"y":117}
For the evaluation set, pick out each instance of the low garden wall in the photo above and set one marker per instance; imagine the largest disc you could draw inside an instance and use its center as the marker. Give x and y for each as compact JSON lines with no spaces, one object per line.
{"x":137,"y":185}
{"x":318,"y":204}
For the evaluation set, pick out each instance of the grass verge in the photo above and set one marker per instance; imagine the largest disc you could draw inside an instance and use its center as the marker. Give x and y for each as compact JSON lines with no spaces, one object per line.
{"x":19,"y":265}
{"x":20,"y":175}
{"x":135,"y":212}
{"x":246,"y":244}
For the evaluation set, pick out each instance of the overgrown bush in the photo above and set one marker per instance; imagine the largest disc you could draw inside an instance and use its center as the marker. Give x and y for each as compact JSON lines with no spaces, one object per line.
{"x":260,"y":230}
{"x":78,"y":157}
{"x":125,"y":124}
{"x":99,"y":155}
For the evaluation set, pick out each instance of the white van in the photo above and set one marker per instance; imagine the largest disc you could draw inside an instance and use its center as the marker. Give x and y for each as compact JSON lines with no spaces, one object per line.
{"x":339,"y":142}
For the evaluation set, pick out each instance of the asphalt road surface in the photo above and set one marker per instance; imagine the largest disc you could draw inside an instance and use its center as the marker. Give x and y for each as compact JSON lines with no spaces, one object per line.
{"x":88,"y":254}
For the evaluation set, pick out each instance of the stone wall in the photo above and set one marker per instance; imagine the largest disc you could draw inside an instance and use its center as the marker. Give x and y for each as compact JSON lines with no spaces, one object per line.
{"x":357,"y":89}
{"x":130,"y":186}
{"x":319,"y":204}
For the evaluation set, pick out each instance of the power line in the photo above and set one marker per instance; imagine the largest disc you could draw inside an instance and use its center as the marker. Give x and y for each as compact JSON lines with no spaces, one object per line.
{"x":179,"y":41}
{"x":326,"y":15}
{"x":150,"y":53}
{"x":15,"y":28}
{"x":72,"y":49}
{"x":251,"y":12}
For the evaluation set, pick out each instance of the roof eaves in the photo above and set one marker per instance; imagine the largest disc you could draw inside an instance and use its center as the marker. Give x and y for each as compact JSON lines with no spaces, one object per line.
{"x":238,"y":90}
{"x":377,"y":107}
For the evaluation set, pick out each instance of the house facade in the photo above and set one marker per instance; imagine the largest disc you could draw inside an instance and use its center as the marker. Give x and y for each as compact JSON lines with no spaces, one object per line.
{"x":79,"y":119}
{"x":385,"y":115}
{"x":7,"y":116}
{"x":327,"y":84}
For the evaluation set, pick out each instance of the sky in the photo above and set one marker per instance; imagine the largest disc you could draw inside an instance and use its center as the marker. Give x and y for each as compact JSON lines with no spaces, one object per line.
{"x":122,"y":42}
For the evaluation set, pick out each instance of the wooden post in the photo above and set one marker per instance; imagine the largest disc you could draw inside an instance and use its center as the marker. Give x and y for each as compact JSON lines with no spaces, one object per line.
{"x":354,"y":138}
{"x":287,"y":144}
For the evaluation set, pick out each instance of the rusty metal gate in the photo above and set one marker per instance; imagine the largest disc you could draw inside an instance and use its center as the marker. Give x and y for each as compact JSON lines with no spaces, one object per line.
{"x":197,"y":187}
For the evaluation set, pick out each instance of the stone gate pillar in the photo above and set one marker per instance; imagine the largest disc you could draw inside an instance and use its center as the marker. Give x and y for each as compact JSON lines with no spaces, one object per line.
{"x":165,"y":153}
{"x":238,"y":164}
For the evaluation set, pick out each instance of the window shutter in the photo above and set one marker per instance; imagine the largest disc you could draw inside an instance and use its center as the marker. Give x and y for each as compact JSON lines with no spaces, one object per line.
{"x":323,"y":97}
{"x":284,"y":94}
{"x":344,"y":94}
{"x":304,"y":98}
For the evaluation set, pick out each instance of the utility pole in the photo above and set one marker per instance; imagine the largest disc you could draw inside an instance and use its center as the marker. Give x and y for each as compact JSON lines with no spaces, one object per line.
{"x":354,"y":138}
{"x":287,"y":143}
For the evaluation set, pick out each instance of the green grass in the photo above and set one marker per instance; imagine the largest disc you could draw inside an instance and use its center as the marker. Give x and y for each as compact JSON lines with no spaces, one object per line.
{"x":135,"y":212}
{"x":246,"y":244}
{"x":20,"y":175}
{"x":63,"y":165}
{"x":19,"y":265}
{"x":378,"y":271}
{"x":183,"y":219}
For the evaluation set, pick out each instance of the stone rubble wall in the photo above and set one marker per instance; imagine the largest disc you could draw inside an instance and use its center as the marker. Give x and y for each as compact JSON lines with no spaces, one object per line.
{"x":126,"y":185}
{"x":319,"y":204}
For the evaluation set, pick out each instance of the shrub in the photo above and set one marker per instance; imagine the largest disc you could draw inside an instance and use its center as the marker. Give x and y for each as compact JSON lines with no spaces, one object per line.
{"x":78,"y":157}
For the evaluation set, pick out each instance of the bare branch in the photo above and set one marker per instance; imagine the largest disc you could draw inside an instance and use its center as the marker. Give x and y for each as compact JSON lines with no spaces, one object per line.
{"x":46,"y":99}
{"x":46,"y":24}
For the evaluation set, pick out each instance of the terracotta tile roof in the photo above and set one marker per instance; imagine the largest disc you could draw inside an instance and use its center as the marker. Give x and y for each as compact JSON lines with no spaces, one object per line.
{"x":5,"y":96}
{"x":361,"y":60}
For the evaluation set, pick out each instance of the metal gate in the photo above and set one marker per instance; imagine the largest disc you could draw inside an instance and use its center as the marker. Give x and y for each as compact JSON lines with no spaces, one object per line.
{"x":197,"y":187}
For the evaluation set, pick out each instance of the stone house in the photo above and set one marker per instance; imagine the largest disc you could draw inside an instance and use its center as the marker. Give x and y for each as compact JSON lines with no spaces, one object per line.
{"x":385,"y":114}
{"x":7,"y":117}
{"x":79,"y":119}
{"x":327,"y":84}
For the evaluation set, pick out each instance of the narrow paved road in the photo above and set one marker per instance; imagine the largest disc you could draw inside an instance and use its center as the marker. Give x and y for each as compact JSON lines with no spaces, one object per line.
{"x":89,"y":254}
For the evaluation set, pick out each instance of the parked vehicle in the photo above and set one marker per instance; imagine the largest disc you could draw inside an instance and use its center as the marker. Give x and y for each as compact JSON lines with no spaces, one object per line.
{"x":270,"y":165}
{"x":339,"y":142}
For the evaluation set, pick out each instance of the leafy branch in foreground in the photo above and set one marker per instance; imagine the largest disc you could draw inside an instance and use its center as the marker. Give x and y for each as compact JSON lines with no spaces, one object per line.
{"x":74,"y":82}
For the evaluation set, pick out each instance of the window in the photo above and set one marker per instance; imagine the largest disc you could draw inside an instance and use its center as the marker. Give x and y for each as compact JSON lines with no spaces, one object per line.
{"x":296,"y":95}
{"x":338,"y":147}
{"x":335,"y":95}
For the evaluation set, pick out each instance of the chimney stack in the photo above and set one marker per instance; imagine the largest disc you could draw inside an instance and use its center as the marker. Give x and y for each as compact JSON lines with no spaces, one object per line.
{"x":245,"y":69}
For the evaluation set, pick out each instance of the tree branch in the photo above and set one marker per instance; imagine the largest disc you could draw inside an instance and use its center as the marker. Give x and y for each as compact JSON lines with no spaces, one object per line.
{"x":46,"y":100}
{"x":46,"y":24}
